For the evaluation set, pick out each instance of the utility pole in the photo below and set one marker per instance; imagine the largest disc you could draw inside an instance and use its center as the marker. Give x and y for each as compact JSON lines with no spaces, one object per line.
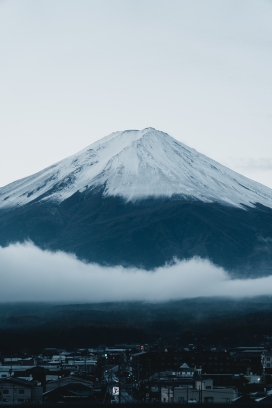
{"x":160,"y":393}
{"x":200,"y":392}
{"x":119,"y":373}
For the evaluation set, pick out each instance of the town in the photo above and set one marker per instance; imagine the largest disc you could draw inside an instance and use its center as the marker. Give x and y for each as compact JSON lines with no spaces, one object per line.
{"x":139,"y":373}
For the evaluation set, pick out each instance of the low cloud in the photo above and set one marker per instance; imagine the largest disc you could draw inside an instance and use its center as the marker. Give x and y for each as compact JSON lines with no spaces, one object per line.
{"x":256,"y":164}
{"x":259,"y":164}
{"x":30,"y":274}
{"x":259,"y":169}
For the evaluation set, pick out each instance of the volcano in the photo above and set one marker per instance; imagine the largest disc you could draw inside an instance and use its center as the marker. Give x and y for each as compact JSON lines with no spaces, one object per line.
{"x":141,"y":198}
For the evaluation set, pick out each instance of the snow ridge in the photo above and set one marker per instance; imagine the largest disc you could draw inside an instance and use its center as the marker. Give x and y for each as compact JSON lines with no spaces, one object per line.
{"x":138,"y":164}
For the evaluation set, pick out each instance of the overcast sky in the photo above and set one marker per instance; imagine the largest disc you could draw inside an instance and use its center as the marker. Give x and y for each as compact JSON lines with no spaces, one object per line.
{"x":74,"y":71}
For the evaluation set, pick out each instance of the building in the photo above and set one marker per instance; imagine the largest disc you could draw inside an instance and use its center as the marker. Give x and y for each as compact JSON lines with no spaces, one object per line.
{"x":267,"y":362}
{"x":68,"y":389}
{"x":188,"y":372}
{"x":17,"y":391}
{"x":61,"y":382}
{"x":203,"y":391}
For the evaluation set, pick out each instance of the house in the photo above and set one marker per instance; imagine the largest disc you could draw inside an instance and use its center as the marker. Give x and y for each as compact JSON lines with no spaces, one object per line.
{"x":68,"y":389}
{"x":61,"y":382}
{"x":18,"y":361}
{"x":69,"y":393}
{"x":202,"y":391}
{"x":265,"y":400}
{"x":243,"y":399}
{"x":267,"y":362}
{"x":188,"y":372}
{"x":18,"y":391}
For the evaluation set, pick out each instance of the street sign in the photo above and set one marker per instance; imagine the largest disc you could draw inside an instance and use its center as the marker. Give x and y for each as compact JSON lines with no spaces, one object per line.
{"x":115,"y":390}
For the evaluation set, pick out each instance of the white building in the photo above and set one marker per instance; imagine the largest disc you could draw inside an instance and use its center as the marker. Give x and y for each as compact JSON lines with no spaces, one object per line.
{"x":267,"y":362}
{"x":188,"y":372}
{"x":202,"y":392}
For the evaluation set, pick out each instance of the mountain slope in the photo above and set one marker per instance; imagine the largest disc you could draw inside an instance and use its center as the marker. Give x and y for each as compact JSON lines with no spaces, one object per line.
{"x":140,"y":198}
{"x":137,"y":165}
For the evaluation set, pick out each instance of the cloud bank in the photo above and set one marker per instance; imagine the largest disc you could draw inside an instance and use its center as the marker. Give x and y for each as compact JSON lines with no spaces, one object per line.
{"x":255,"y":164}
{"x":30,"y":274}
{"x":258,"y":169}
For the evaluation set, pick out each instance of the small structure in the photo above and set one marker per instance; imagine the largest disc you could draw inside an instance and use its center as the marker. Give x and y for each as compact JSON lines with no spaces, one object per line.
{"x":61,"y":382}
{"x":18,"y":391}
{"x":188,"y":372}
{"x":69,"y":390}
{"x":267,"y":362}
{"x":69,"y":393}
{"x":203,"y":391}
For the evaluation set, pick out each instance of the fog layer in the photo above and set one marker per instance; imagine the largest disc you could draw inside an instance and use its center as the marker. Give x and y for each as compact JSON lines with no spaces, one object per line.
{"x":30,"y":274}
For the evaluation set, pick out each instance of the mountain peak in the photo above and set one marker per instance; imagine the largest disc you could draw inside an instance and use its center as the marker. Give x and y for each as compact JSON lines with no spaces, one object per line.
{"x":135,"y":165}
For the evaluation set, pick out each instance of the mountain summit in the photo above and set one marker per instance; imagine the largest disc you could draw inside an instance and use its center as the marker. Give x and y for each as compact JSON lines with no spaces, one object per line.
{"x":141,"y":198}
{"x":135,"y":165}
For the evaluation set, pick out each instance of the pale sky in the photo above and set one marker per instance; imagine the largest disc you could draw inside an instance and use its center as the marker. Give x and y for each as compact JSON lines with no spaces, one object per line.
{"x":74,"y":71}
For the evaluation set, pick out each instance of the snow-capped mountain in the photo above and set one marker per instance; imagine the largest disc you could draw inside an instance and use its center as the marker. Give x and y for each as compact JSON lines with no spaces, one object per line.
{"x":137,"y":165}
{"x":141,"y":198}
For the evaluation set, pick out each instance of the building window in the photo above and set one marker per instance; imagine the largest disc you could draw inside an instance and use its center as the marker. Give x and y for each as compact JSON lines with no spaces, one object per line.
{"x":208,"y":387}
{"x":208,"y":399}
{"x":267,"y":365}
{"x":180,"y":399}
{"x":5,"y":391}
{"x":21,"y":391}
{"x":268,"y":358}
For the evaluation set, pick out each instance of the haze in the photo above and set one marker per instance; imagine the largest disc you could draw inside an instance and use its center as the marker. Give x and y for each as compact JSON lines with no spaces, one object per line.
{"x":29,"y":274}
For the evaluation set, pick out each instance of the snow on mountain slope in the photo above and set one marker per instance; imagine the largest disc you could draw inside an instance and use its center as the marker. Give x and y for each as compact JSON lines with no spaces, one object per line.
{"x":135,"y":165}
